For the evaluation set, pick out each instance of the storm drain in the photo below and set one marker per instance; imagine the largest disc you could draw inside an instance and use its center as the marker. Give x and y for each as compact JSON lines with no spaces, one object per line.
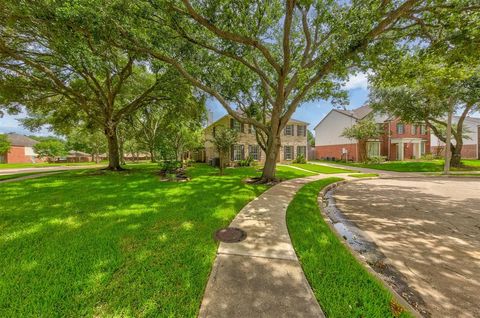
{"x":230,"y":235}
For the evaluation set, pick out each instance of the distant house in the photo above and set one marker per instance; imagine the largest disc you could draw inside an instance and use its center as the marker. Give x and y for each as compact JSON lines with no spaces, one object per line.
{"x":293,"y":141}
{"x":398,"y":140}
{"x":21,"y":150}
{"x":471,"y":140}
{"x":78,"y":156}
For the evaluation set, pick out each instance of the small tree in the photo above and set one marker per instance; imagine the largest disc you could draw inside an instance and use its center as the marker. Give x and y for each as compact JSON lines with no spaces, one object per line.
{"x":362,"y":131}
{"x":223,"y":140}
{"x":51,"y":148}
{"x":4,"y":144}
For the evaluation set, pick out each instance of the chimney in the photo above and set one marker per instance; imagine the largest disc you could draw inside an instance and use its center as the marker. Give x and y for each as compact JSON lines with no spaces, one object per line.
{"x":209,"y":118}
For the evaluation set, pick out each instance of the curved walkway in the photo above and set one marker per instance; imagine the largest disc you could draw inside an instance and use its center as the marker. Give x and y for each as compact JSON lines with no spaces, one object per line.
{"x":261,"y":276}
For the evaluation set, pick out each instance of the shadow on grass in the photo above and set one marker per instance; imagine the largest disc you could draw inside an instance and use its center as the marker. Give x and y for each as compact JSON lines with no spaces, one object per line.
{"x":114,"y":244}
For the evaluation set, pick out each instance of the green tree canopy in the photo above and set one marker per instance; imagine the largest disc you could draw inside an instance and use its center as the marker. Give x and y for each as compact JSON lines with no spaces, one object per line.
{"x":50,"y":148}
{"x":5,"y":145}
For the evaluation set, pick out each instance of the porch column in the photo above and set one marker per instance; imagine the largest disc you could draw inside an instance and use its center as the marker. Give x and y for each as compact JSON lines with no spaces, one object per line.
{"x":400,"y":150}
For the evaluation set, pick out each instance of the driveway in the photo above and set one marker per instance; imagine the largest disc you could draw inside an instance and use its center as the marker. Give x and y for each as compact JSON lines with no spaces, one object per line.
{"x":429,"y":231}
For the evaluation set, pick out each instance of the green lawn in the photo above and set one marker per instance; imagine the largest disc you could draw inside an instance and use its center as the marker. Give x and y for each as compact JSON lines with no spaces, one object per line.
{"x":342,"y":286}
{"x":363,"y":175}
{"x":415,"y":166}
{"x":319,"y":168}
{"x":17,"y":175}
{"x":99,"y":243}
{"x":44,"y":164}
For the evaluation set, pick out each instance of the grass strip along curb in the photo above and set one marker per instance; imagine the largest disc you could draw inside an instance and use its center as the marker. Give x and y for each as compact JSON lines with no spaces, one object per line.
{"x":342,"y":286}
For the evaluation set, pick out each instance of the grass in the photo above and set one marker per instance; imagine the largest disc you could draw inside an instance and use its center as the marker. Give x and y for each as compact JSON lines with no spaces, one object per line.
{"x":44,"y":164}
{"x":415,"y":166}
{"x":100,"y":243}
{"x":363,"y":175}
{"x":16,"y":175}
{"x":343,"y":287}
{"x":319,"y":168}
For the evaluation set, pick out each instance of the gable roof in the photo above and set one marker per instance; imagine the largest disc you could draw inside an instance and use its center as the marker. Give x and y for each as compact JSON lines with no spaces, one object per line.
{"x":21,"y":140}
{"x":357,"y":113}
{"x":290,"y":121}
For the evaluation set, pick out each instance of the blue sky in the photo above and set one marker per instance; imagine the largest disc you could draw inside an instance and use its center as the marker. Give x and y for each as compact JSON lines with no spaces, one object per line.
{"x":311,"y":112}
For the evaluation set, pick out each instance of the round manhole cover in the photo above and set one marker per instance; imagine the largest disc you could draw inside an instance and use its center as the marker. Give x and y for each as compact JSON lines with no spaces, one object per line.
{"x":230,"y":235}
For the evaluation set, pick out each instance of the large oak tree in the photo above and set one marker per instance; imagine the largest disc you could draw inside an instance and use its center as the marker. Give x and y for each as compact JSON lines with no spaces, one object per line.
{"x":55,"y":61}
{"x":261,"y":59}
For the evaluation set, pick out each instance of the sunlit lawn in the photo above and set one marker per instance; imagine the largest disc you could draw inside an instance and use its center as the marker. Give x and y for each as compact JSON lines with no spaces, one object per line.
{"x":416,"y":166}
{"x":93,"y":243}
{"x":44,"y":164}
{"x":320,"y":168}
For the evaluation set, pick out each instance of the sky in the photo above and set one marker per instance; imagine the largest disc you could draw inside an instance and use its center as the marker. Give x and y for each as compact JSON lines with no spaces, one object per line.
{"x":312,"y":112}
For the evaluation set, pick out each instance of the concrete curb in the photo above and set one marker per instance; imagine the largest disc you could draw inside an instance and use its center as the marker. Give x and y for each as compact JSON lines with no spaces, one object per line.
{"x":360,"y":258}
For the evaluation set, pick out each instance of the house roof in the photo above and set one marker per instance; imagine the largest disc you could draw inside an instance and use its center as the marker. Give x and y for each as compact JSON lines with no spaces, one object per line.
{"x":73,"y":153}
{"x":357,"y":113}
{"x":291,"y":120}
{"x":21,"y":140}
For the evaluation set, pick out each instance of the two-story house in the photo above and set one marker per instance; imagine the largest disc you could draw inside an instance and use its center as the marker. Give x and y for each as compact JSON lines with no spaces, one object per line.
{"x":293,"y":141}
{"x":397,"y":140}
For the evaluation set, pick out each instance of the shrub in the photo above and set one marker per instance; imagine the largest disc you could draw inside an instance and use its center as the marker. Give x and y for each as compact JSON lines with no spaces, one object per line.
{"x":376,"y":159}
{"x":428,"y":156}
{"x":300,"y":159}
{"x":246,"y":162}
{"x":170,"y":166}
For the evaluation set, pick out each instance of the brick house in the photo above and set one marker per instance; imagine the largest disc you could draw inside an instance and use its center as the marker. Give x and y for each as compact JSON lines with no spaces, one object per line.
{"x":21,"y":150}
{"x":399,"y":141}
{"x":471,"y":139}
{"x":293,"y":141}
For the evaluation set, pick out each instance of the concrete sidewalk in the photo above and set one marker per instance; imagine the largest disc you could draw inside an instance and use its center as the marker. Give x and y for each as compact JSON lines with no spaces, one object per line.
{"x":261,"y":276}
{"x":381,"y":173}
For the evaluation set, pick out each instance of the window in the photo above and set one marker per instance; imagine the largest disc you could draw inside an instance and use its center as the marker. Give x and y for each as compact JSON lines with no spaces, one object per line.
{"x":236,"y":125}
{"x":289,"y":130}
{"x":238,"y":152}
{"x":400,"y":128}
{"x":301,"y":131}
{"x":423,"y":129}
{"x":288,"y":152}
{"x":254,"y":152}
{"x":423,"y":147}
{"x":251,"y":129}
{"x":414,"y":129}
{"x":373,"y":149}
{"x":302,"y":151}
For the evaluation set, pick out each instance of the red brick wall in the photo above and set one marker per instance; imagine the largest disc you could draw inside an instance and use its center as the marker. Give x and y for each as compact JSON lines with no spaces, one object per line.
{"x":468,"y":151}
{"x":17,"y":155}
{"x":322,"y":152}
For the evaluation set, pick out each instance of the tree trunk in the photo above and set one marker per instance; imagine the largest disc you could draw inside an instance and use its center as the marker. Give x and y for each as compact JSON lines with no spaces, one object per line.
{"x":271,"y":156}
{"x":362,"y":150}
{"x":152,"y":154}
{"x":455,"y":160}
{"x":448,"y":138}
{"x":113,"y":148}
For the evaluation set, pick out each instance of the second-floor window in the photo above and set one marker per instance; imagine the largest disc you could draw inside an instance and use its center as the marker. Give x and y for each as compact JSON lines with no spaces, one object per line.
{"x":400,"y":128}
{"x":236,"y":125}
{"x":288,"y":152}
{"x":289,"y":130}
{"x":423,"y":130}
{"x":414,"y":129}
{"x":301,"y":131}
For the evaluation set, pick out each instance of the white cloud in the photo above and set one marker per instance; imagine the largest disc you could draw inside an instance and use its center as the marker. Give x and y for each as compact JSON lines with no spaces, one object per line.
{"x":359,"y":80}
